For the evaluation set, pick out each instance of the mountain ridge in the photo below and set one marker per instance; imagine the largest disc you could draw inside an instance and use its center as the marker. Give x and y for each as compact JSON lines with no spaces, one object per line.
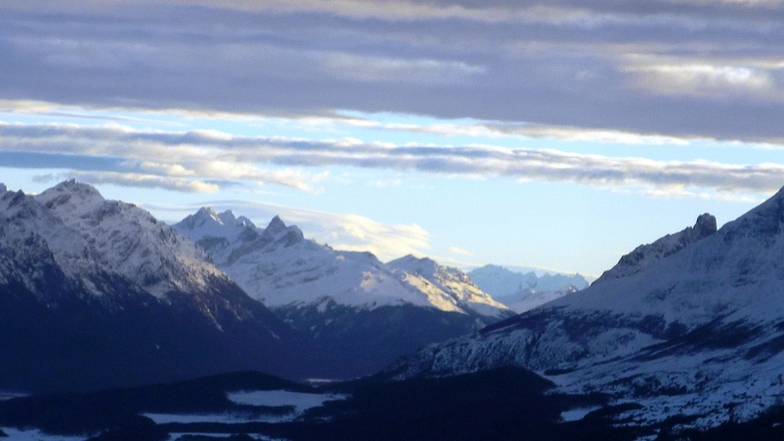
{"x":249,"y":260}
{"x":524,"y":291}
{"x":99,"y":293}
{"x":696,"y":331}
{"x":349,"y":302}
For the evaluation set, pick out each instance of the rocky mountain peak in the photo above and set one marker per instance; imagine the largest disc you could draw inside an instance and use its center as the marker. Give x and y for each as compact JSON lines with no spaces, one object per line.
{"x":3,"y":188}
{"x":276,"y":226}
{"x":205,"y":213}
{"x":227,"y":217}
{"x":277,"y":231}
{"x":207,"y":223}
{"x":77,"y":188}
{"x":645,"y":255}
{"x":415,"y":265}
{"x":245,"y":222}
{"x":705,"y":225}
{"x":72,"y":193}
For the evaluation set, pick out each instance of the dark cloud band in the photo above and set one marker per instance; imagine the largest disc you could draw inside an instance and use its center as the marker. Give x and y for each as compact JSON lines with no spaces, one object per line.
{"x":674,"y":68}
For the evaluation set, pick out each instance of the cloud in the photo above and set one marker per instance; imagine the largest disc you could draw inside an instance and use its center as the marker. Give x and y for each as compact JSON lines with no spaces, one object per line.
{"x":348,"y":232}
{"x":211,"y":156}
{"x":207,"y":155}
{"x":370,"y":68}
{"x":500,"y":129}
{"x":459,"y":251}
{"x":552,"y":64}
{"x":679,"y":193}
{"x":706,"y":80}
{"x":387,"y":183}
{"x":145,"y":181}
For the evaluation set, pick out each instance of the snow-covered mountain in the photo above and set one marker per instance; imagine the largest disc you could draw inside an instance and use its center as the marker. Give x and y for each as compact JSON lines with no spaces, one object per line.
{"x":99,"y":293}
{"x":644,"y":255}
{"x":122,"y":238}
{"x":524,"y":291}
{"x":279,"y":267}
{"x":428,"y":276}
{"x":339,"y":296}
{"x":695,"y":332}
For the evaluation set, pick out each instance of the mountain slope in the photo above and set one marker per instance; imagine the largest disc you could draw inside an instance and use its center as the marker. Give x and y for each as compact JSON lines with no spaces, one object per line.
{"x":645,"y":255}
{"x":352,"y":304}
{"x":455,"y":283}
{"x":98,"y":293}
{"x":279,"y":267}
{"x":696,"y":331}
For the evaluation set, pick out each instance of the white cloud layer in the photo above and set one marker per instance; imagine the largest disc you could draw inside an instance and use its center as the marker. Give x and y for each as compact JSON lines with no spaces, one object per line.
{"x":202,"y":161}
{"x":144,"y":181}
{"x":459,"y":251}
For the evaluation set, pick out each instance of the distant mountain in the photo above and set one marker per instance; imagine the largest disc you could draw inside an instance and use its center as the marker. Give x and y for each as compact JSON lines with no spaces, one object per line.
{"x":356,"y":307}
{"x":695,"y":332}
{"x":524,"y":291}
{"x":97,"y":293}
{"x":452,"y":281}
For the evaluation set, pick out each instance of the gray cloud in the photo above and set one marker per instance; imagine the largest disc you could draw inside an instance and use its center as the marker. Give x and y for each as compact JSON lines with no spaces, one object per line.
{"x":197,"y":160}
{"x":672,"y":68}
{"x":145,"y":181}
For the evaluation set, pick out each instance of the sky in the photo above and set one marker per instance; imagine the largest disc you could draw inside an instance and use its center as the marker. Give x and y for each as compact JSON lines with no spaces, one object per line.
{"x":556,"y":135}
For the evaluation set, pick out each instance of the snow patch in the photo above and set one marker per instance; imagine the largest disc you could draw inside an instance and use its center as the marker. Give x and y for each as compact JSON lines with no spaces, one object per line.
{"x":36,"y":435}
{"x":300,"y":400}
{"x":577,"y":414}
{"x":216,"y":418}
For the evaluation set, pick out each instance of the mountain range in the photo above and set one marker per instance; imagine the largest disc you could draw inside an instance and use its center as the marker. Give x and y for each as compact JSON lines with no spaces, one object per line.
{"x":682,"y":339}
{"x":360,"y":310}
{"x":688,"y":327}
{"x":523,"y":291}
{"x":98,"y":293}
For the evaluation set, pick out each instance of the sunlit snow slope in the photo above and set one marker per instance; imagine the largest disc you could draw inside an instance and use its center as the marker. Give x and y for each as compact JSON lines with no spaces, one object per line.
{"x":364,"y":311}
{"x":692,"y":324}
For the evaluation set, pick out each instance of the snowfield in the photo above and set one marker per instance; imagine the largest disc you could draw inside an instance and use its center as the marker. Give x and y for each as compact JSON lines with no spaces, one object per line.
{"x":299,"y":401}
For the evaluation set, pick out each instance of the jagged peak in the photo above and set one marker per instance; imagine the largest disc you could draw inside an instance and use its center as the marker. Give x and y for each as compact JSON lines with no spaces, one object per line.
{"x":492,"y":268}
{"x":644,"y":255}
{"x":205,"y":212}
{"x":424,"y":266}
{"x":72,"y":186}
{"x":245,"y":222}
{"x":275,"y":226}
{"x":410,"y":258}
{"x":197,"y":219}
{"x":294,"y":235}
{"x":208,"y":214}
{"x":71,"y":193}
{"x":705,"y":225}
{"x":227,"y":217}
{"x":278,"y":231}
{"x":3,"y":188}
